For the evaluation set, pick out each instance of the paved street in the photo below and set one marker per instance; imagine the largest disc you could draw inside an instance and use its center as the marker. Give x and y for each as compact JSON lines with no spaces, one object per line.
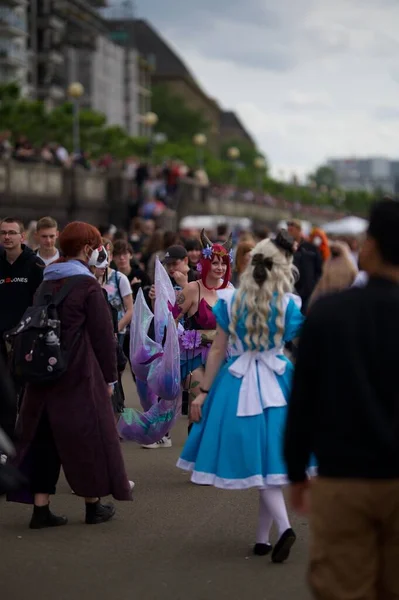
{"x":176,"y":541}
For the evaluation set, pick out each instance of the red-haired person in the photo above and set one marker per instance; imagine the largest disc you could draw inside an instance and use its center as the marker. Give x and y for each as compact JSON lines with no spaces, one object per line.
{"x":69,"y":422}
{"x":319,"y":239}
{"x":196,"y":302}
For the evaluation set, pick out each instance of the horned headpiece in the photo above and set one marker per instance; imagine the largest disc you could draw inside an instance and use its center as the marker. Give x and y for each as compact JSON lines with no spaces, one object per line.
{"x":206,"y":242}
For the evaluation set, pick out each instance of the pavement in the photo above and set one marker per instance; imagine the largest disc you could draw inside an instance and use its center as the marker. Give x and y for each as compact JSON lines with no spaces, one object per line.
{"x":175,"y":541}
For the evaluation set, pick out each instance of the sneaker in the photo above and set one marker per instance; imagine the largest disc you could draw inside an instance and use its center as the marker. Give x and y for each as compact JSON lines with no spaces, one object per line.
{"x":132,"y":485}
{"x":165,"y":442}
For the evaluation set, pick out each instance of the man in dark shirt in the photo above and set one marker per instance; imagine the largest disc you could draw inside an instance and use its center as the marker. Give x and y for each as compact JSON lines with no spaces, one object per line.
{"x":344,"y":411}
{"x":307,"y":260}
{"x":21,"y":273}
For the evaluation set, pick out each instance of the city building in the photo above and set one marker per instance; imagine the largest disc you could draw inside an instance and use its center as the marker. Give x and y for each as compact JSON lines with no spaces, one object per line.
{"x":169,"y":69}
{"x":107,"y":88}
{"x":231,"y":128}
{"x":137,"y":77}
{"x":14,"y":63}
{"x":368,"y":174}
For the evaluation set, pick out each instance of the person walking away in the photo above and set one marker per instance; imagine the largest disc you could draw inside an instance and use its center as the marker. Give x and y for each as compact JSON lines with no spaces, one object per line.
{"x":307,"y":260}
{"x":69,"y":421}
{"x":339,"y":273}
{"x":239,"y":414}
{"x":242,"y":260}
{"x":344,"y":410}
{"x":21,"y":273}
{"x":46,"y":236}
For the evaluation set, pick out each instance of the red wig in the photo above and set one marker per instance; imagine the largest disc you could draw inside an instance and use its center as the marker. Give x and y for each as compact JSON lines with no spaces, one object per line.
{"x":76,"y":236}
{"x":323,"y":245}
{"x":206,"y":262}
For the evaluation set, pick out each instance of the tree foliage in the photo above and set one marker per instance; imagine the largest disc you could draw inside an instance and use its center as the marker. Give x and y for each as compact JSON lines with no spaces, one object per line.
{"x":175,"y":119}
{"x":325,"y":176}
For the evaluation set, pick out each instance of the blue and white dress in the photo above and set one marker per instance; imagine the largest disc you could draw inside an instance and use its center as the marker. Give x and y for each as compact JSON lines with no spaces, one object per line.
{"x":238,"y":443}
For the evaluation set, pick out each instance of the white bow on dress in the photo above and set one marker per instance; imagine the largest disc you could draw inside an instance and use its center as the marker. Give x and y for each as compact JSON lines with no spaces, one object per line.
{"x":260,"y":388}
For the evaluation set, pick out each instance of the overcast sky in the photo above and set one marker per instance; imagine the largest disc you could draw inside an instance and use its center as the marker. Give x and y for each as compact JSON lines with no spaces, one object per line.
{"x":310,"y":79}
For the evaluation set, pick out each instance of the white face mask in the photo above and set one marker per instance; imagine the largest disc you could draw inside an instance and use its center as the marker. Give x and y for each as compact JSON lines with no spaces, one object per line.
{"x":317,"y":241}
{"x":93,"y":258}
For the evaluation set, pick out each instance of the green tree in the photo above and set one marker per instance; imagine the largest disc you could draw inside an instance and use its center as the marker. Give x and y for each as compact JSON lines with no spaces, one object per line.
{"x":179,"y":122}
{"x":325,"y":176}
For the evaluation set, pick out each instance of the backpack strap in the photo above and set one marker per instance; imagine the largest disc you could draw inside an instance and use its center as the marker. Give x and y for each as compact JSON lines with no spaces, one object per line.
{"x":118,"y":285}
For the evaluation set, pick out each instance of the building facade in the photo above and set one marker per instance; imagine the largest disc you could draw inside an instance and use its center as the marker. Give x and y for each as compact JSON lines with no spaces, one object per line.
{"x":368,"y":174}
{"x":170,"y":70}
{"x":14,"y":63}
{"x":232,"y":129}
{"x":137,"y":77}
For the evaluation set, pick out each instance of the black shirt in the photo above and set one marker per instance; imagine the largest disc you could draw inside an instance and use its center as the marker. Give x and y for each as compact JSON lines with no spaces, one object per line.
{"x":344,"y":406}
{"x":18,"y":284}
{"x":308,"y":261}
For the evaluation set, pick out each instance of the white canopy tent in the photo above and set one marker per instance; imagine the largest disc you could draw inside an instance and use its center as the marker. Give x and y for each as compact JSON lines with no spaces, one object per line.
{"x":347,"y":226}
{"x":212,"y":221}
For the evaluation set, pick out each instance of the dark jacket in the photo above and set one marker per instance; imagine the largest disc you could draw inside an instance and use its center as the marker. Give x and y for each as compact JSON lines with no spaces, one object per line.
{"x":309,"y":263}
{"x":18,"y":284}
{"x":344,"y":406}
{"x":78,"y":405}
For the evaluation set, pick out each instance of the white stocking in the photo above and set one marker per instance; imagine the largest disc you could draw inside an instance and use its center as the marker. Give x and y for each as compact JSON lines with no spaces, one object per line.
{"x":265,"y":522}
{"x":273,"y":500}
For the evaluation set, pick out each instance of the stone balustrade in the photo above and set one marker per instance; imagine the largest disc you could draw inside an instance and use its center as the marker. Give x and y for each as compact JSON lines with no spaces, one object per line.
{"x":32,"y":190}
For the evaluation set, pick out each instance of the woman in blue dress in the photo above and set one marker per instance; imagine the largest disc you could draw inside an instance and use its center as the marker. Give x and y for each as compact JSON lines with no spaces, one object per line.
{"x":237,"y":440}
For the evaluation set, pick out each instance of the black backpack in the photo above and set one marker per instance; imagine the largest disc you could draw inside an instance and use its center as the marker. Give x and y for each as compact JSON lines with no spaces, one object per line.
{"x":37,"y":352}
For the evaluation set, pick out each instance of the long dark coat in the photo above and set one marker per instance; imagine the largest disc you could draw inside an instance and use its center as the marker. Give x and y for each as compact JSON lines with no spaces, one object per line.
{"x":78,"y":405}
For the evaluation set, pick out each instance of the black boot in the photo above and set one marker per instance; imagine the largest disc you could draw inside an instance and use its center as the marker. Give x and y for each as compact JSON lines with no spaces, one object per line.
{"x":43,"y":517}
{"x":98,"y":513}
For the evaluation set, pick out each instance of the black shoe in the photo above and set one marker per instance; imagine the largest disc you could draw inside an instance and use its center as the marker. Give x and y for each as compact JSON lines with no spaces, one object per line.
{"x":262,"y":549}
{"x":282,"y":549}
{"x":43,"y":517}
{"x":99,"y":513}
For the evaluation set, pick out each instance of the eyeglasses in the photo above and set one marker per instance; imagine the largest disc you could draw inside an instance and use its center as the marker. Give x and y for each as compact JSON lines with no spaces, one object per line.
{"x":11,"y":233}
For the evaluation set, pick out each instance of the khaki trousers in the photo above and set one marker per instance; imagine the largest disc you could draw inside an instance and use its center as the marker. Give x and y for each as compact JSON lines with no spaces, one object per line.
{"x":354,"y":550}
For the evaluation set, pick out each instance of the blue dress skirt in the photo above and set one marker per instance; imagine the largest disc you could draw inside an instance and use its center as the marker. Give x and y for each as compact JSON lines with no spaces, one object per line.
{"x":236,"y":452}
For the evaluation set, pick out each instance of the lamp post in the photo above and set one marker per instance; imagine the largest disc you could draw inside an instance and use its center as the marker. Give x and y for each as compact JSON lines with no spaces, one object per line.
{"x":76,"y":91}
{"x":260,"y":165}
{"x":234,"y":154}
{"x":200,"y":141}
{"x":150,"y":120}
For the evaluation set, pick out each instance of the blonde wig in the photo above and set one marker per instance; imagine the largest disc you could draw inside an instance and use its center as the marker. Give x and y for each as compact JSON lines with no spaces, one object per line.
{"x":339,"y":272}
{"x":264,"y":282}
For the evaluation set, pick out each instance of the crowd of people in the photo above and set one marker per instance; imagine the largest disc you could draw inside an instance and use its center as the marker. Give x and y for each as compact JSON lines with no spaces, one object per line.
{"x":263,"y":410}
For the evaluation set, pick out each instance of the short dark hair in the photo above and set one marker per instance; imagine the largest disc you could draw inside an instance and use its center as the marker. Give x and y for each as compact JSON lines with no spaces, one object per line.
{"x":222,"y":229}
{"x":122,"y":247}
{"x":384,"y":229}
{"x":193,"y":244}
{"x":14,"y":220}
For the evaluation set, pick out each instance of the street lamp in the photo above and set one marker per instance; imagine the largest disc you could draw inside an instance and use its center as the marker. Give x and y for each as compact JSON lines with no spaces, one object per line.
{"x":260,"y":165}
{"x":234,"y":154}
{"x":76,"y":91}
{"x":150,"y":119}
{"x":200,"y":141}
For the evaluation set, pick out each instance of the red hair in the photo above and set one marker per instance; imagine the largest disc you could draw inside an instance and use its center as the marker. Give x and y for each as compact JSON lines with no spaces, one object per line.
{"x":217,"y":250}
{"x":76,"y":236}
{"x":324,"y":247}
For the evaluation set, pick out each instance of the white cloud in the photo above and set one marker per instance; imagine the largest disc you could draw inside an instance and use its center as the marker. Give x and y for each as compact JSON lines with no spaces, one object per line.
{"x":310,"y":78}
